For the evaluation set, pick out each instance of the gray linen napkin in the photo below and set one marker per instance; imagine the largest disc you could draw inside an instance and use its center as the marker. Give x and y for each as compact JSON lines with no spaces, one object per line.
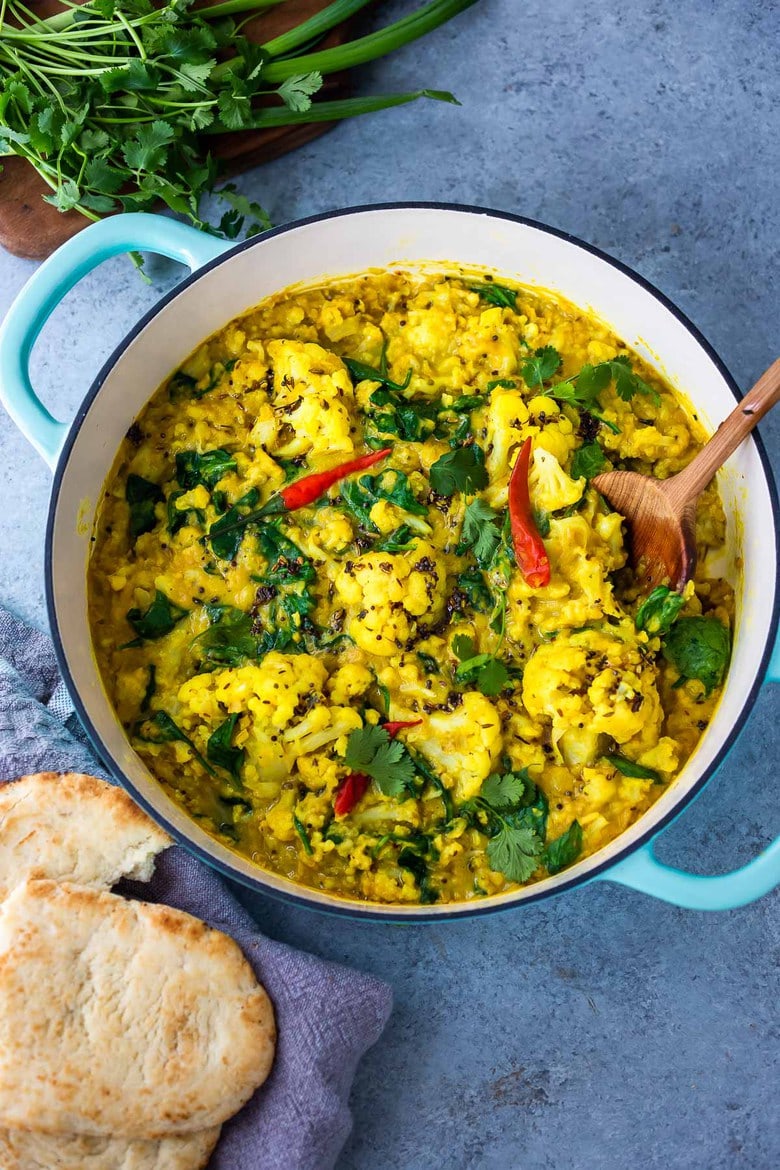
{"x":327,"y":1015}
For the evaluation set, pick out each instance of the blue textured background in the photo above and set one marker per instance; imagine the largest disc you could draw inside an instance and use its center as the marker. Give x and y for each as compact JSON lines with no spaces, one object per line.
{"x":602,"y":1030}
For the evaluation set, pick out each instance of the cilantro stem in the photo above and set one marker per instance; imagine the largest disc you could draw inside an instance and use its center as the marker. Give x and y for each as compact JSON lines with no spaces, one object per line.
{"x":312,"y":28}
{"x":336,"y":110}
{"x":368,"y":48}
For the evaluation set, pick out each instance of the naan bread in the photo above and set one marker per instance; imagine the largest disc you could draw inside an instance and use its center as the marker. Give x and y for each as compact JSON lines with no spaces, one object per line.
{"x":73,"y":828}
{"x":23,"y":1149}
{"x":123,"y":1018}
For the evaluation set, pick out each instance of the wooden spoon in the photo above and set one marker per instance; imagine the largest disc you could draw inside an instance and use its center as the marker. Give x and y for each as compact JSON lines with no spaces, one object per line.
{"x":661,"y":513}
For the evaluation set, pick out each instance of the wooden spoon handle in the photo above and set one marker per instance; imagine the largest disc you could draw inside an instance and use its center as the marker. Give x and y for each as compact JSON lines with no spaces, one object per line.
{"x":688,"y":484}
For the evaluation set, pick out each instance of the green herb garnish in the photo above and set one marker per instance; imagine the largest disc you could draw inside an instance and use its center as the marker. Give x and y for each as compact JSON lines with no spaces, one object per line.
{"x":485,"y":671}
{"x":541,"y":366}
{"x":461,"y":470}
{"x":496,"y":294}
{"x":480,"y":532}
{"x":370,"y":750}
{"x":589,"y":461}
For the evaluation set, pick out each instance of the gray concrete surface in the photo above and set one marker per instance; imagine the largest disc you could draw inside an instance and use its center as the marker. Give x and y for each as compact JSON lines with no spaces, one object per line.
{"x":602,"y":1030}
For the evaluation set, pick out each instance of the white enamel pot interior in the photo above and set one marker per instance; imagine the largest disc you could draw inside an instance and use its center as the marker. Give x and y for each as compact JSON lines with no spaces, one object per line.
{"x":347,"y":243}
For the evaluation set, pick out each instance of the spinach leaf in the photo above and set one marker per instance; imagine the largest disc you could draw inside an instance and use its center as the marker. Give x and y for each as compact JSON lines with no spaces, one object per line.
{"x":471,"y":583}
{"x":151,"y":687}
{"x":504,"y":383}
{"x":225,"y":539}
{"x":203,"y":467}
{"x":542,"y":521}
{"x":496,"y":294}
{"x":589,"y":460}
{"x":630,"y":768}
{"x":410,"y":419}
{"x":178,"y":518}
{"x":160,"y":728}
{"x":157,"y":620}
{"x":461,"y":470}
{"x":141,"y":496}
{"x":359,"y":496}
{"x":417,"y":866}
{"x":229,"y":639}
{"x":180,"y":386}
{"x":428,"y":662}
{"x":286,"y":562}
{"x":658,"y":612}
{"x":219,"y":751}
{"x":361,"y":372}
{"x":216,"y":374}
{"x":699,"y":647}
{"x":564,"y":850}
{"x":402,"y":539}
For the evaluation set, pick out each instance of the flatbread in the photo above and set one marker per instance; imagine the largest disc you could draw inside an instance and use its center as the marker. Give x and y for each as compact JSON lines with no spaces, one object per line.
{"x":74,"y":828}
{"x":123,"y":1018}
{"x":23,"y":1149}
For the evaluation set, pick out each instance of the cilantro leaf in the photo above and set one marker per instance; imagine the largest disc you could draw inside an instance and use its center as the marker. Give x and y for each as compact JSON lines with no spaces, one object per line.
{"x":296,"y":91}
{"x":66,"y":197}
{"x":658,"y":612}
{"x":503,"y":792}
{"x":589,"y":460}
{"x":370,"y":750}
{"x":496,"y":294}
{"x":514,"y":852}
{"x":630,"y":768}
{"x":479,"y":532}
{"x":700,"y":648}
{"x":564,"y":850}
{"x":541,"y":366}
{"x":148,"y":149}
{"x":461,"y":470}
{"x":485,"y":671}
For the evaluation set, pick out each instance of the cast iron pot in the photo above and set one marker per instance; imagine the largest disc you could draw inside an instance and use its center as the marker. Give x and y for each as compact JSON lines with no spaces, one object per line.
{"x":227,"y":280}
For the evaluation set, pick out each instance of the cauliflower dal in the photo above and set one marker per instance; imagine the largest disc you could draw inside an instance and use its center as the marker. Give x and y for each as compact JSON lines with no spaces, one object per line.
{"x":360,"y":610}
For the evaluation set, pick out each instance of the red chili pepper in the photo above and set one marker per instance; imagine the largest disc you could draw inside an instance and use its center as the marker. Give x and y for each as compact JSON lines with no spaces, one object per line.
{"x":392,"y":729}
{"x":354,"y":786}
{"x":311,"y":487}
{"x":351,"y":790}
{"x":530,"y":553}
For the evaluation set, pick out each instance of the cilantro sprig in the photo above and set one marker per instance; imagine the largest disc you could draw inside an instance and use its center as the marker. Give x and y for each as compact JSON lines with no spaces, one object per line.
{"x":512,"y":810}
{"x":371,"y":751}
{"x":107,"y":100}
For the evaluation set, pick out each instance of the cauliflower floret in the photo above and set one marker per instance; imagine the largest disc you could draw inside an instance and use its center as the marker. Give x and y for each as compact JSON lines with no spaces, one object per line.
{"x":270,"y":699}
{"x":487,"y":338}
{"x":507,"y":417}
{"x":589,"y":685}
{"x":551,"y":488}
{"x":313,"y":394}
{"x":463,"y":744}
{"x":349,"y":681}
{"x":385,"y":590}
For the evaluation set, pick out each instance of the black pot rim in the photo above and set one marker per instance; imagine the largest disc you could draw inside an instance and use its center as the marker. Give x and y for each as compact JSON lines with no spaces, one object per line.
{"x":455,"y":910}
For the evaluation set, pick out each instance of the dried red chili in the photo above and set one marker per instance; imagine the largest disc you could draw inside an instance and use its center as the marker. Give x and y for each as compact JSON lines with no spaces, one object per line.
{"x":311,"y":487}
{"x":530,"y":553}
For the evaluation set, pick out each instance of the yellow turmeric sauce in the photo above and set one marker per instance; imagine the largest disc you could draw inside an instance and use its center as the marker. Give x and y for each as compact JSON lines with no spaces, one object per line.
{"x":254,"y":664}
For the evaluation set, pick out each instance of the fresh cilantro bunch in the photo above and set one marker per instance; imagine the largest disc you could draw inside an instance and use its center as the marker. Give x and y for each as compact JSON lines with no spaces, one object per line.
{"x":109,"y":100}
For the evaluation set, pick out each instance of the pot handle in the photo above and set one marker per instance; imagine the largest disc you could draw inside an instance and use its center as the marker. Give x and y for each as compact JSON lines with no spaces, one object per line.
{"x":643,"y":871}
{"x":135,"y":231}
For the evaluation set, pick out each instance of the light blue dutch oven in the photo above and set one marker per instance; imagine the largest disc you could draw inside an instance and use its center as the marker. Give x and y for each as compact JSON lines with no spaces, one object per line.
{"x":227,"y":280}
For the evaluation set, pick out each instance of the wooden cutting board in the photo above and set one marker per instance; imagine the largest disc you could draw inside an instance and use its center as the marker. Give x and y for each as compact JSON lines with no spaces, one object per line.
{"x":33,"y":229}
